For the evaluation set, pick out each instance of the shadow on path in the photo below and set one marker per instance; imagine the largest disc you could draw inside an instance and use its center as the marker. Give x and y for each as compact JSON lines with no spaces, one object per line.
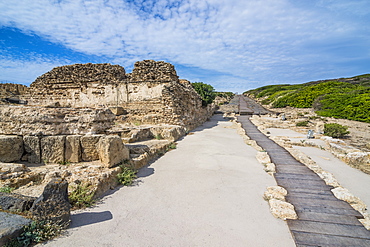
{"x":89,"y":218}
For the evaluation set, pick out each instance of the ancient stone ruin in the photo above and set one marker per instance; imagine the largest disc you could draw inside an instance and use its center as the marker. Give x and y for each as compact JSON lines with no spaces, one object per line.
{"x":79,"y":122}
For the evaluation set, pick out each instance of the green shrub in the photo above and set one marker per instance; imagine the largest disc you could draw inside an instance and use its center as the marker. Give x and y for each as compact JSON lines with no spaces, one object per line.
{"x":206,"y":92}
{"x":82,"y":196}
{"x":36,"y":232}
{"x":335,"y":130}
{"x":302,"y":123}
{"x":171,"y":146}
{"x":127,"y":175}
{"x":6,"y":189}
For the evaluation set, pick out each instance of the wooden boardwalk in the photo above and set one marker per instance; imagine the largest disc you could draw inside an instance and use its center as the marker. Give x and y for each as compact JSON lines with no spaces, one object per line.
{"x":323,"y":220}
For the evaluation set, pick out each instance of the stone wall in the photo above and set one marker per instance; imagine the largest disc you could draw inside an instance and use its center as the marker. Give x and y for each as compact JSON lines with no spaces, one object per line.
{"x":10,"y":90}
{"x":28,"y":120}
{"x":151,"y":94}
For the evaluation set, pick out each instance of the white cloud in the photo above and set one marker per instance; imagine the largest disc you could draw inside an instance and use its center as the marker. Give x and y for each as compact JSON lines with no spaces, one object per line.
{"x":25,"y":71}
{"x":245,"y":39}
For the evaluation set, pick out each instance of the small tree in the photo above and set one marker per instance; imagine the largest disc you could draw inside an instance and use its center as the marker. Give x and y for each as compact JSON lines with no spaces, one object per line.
{"x":206,"y":92}
{"x":335,"y":130}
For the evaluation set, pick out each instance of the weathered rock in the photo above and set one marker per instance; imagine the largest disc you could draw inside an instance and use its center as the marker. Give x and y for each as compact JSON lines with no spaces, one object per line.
{"x":53,"y":204}
{"x":282,"y":210}
{"x":11,"y":148}
{"x":15,"y":202}
{"x":32,"y":148}
{"x":89,"y":147}
{"x":275,"y":192}
{"x":263,"y":157}
{"x":73,"y":149}
{"x":270,"y":168}
{"x":112,"y":150}
{"x":344,"y":194}
{"x":38,"y":121}
{"x":52,"y":149}
{"x":117,"y":110}
{"x":11,"y":226}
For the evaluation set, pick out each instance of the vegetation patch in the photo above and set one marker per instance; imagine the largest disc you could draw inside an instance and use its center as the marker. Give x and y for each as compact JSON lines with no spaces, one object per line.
{"x":36,"y":232}
{"x":206,"y":92}
{"x":302,"y":124}
{"x":127,"y":175}
{"x":347,"y":98}
{"x":335,"y":130}
{"x":6,"y":189}
{"x":82,"y":196}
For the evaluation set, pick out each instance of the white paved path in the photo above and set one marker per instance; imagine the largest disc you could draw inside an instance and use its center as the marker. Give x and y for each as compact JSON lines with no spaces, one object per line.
{"x":207,"y":192}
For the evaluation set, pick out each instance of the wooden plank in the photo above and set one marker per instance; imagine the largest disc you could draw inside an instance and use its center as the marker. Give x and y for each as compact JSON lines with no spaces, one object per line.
{"x":329,"y":229}
{"x":310,"y":196}
{"x":314,"y":239}
{"x":329,"y":218}
{"x":319,"y":203}
{"x":311,"y":176}
{"x":309,"y":191}
{"x":293,"y":169}
{"x":300,"y":207}
{"x":306,"y":184}
{"x":301,"y":179}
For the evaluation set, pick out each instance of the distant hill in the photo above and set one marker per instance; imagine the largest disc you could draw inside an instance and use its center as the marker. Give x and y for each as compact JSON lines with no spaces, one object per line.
{"x":347,"y":98}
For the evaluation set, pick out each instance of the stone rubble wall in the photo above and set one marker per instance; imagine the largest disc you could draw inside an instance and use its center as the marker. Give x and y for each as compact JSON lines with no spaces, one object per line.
{"x":28,"y":120}
{"x":8,"y":90}
{"x":61,"y":149}
{"x":151,"y":94}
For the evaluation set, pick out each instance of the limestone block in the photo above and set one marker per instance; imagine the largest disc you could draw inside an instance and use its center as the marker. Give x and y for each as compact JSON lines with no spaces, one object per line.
{"x":73,"y":149}
{"x":263,"y":157}
{"x":282,"y":210}
{"x":117,"y":110}
{"x":32,"y":148}
{"x":270,"y":168}
{"x":52,"y":149}
{"x":15,"y":202}
{"x":53,"y":204}
{"x":112,"y":151}
{"x":344,"y":194}
{"x":11,"y":226}
{"x":11,"y":148}
{"x":173,"y":133}
{"x":89,"y":147}
{"x":275,"y":192}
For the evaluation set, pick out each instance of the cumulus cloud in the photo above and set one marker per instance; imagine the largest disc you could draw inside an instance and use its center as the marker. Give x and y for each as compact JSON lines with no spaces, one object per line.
{"x":254,"y":40}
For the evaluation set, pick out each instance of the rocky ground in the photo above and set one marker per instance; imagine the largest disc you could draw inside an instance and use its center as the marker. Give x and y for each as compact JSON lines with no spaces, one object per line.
{"x":359,"y":136}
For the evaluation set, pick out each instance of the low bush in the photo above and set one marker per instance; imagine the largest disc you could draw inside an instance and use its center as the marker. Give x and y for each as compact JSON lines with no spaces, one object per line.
{"x":127,"y":175}
{"x":81,"y":197}
{"x":335,"y":130}
{"x":206,"y":92}
{"x":36,"y":232}
{"x":6,"y":189}
{"x":302,"y":123}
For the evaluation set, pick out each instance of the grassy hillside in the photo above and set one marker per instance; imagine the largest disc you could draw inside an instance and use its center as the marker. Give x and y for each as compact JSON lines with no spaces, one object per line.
{"x":347,"y":98}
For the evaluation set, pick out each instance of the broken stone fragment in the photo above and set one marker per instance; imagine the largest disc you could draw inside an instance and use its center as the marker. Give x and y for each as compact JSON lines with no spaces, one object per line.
{"x":11,"y":148}
{"x":282,"y":210}
{"x":15,"y":203}
{"x":275,"y":192}
{"x":11,"y":226}
{"x":53,"y":204}
{"x":263,"y":157}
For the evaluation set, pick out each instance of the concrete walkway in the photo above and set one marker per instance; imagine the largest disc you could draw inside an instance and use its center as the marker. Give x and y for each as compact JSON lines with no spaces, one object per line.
{"x":207,"y":192}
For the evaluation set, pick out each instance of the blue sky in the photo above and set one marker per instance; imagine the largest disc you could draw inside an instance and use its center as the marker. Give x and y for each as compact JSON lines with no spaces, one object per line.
{"x":234,"y":45}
